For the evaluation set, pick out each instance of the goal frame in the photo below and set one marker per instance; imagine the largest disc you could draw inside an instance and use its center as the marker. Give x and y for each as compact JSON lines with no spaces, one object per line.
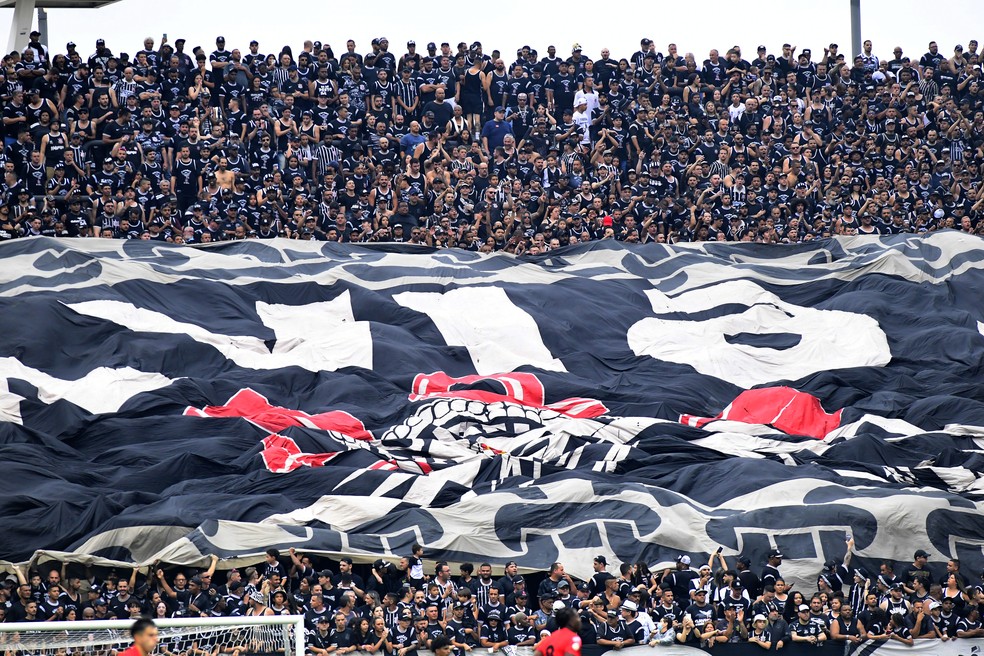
{"x":287,"y":621}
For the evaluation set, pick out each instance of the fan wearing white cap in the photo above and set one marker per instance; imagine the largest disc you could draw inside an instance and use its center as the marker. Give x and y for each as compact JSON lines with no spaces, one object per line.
{"x":930,"y":623}
{"x":257,"y":605}
{"x":634,"y":631}
{"x":806,"y":630}
{"x":760,"y":633}
{"x":679,"y":579}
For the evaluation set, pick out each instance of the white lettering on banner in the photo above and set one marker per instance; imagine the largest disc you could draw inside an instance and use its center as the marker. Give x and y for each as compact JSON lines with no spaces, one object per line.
{"x":827,"y":339}
{"x":321,"y":336}
{"x":99,"y":391}
{"x":499,"y":335}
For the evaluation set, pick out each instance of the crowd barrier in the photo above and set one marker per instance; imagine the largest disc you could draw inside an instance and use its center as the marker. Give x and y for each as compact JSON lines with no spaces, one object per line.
{"x":967,"y":647}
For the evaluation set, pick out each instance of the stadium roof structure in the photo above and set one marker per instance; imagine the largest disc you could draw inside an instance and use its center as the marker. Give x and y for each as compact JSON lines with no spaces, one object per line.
{"x":20,"y":25}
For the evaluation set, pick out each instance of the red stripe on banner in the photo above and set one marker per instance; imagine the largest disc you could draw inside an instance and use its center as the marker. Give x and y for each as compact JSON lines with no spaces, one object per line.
{"x":281,"y":455}
{"x":784,"y":408}
{"x":253,"y":406}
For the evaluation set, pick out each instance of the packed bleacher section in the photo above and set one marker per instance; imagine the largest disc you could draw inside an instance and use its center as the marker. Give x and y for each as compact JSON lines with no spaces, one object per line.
{"x":455,"y":146}
{"x":401,"y":607}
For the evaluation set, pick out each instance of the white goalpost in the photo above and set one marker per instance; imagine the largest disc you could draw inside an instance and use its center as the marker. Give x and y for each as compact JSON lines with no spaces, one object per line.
{"x":275,"y":635}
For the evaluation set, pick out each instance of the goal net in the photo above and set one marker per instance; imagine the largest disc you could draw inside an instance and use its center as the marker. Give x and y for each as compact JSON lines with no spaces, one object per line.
{"x":225,"y":636}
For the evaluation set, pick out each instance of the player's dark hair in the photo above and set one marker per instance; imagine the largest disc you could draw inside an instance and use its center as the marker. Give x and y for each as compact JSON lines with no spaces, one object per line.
{"x":565,"y":616}
{"x":141,"y":625}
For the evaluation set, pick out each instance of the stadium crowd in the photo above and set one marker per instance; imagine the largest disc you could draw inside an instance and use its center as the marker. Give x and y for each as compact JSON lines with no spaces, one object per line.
{"x":451,"y":146}
{"x":398,"y":608}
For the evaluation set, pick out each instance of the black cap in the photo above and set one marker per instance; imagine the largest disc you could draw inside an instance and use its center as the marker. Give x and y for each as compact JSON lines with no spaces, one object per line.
{"x":920,"y":554}
{"x":775,"y":553}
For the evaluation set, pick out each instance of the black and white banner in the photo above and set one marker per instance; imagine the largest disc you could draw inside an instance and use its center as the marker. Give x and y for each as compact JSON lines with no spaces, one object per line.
{"x":168,"y":402}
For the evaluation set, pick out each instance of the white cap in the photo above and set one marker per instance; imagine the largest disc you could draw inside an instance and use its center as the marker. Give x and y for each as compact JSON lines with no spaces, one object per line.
{"x":557,"y":605}
{"x":630,"y":605}
{"x":760,"y":618}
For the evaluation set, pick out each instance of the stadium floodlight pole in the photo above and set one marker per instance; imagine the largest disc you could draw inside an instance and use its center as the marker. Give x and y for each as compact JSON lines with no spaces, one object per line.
{"x":855,"y":27}
{"x":23,"y":18}
{"x":20,"y":25}
{"x":43,"y":25}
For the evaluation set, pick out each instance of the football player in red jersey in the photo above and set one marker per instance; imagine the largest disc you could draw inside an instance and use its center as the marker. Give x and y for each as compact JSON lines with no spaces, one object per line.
{"x":144,"y":633}
{"x":564,"y":641}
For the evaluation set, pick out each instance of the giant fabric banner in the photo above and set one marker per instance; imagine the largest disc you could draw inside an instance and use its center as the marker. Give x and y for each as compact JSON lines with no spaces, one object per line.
{"x":169,"y":403}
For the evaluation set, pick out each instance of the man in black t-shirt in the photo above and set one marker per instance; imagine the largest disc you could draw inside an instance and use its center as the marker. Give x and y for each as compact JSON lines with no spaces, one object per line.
{"x":918,"y":569}
{"x":319,"y":641}
{"x":634,"y":632}
{"x":679,"y":580}
{"x":521,"y":633}
{"x":597,"y":583}
{"x":701,"y":611}
{"x":493,"y":634}
{"x":805,"y":631}
{"x":770,"y":573}
{"x":341,"y":636}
